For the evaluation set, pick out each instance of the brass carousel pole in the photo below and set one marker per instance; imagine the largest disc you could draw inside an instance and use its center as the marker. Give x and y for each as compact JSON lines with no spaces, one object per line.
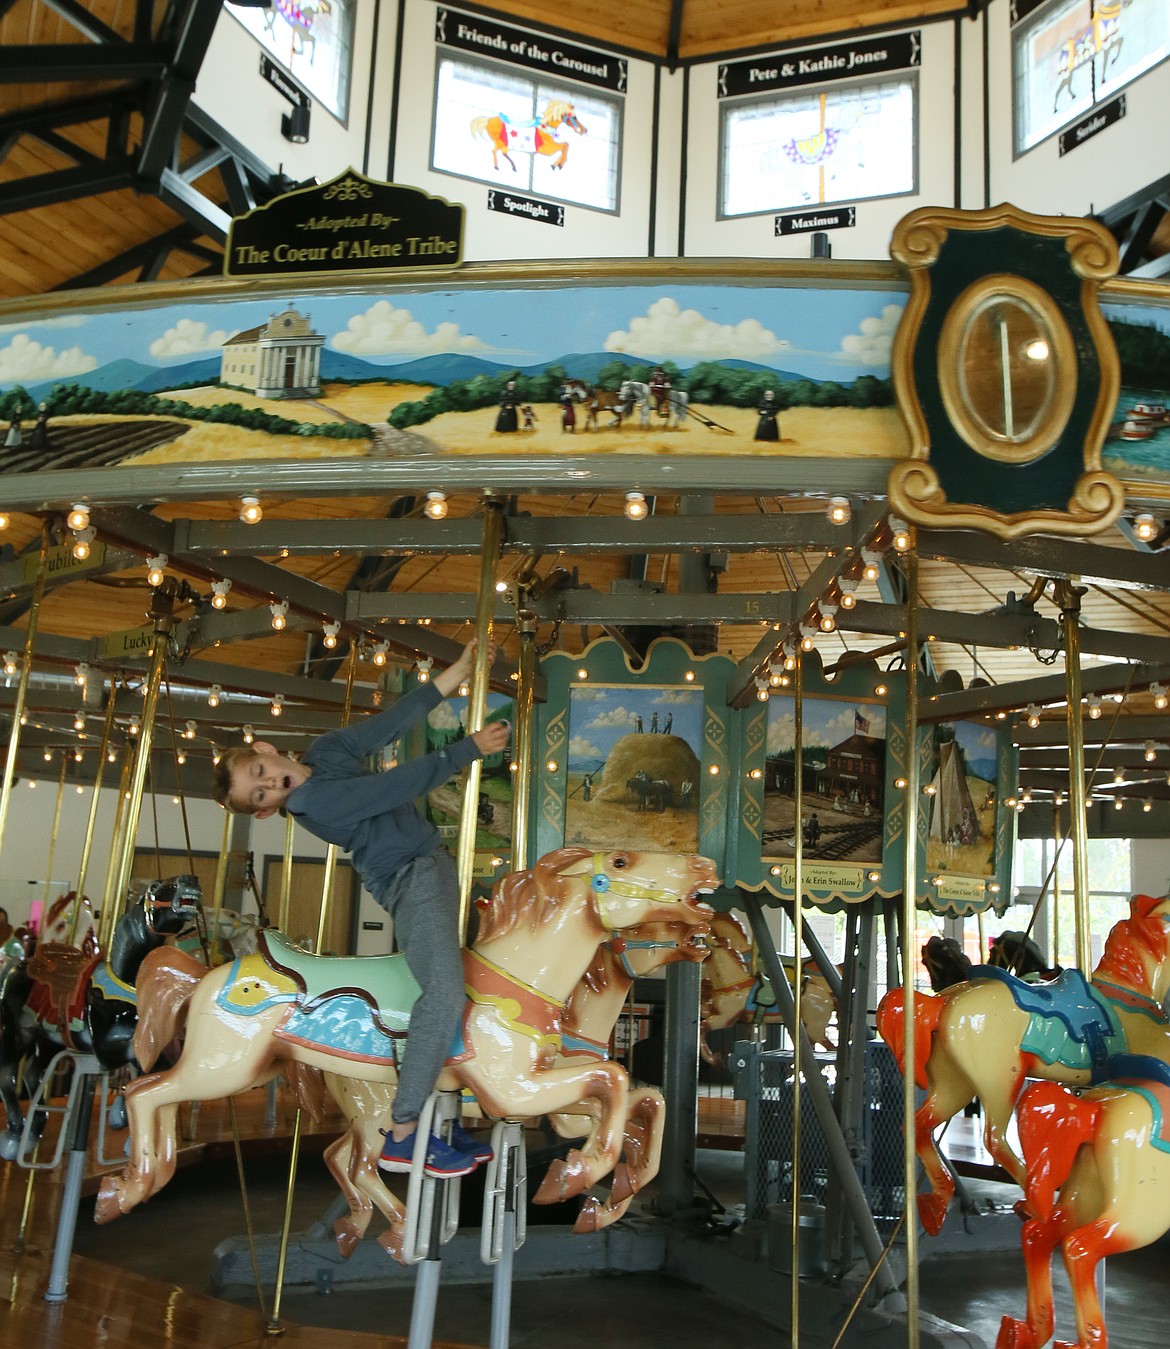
{"x":797,"y":963}
{"x":104,"y":749}
{"x":1068,"y":596}
{"x":286,"y":871}
{"x":909,"y":915}
{"x":106,"y":926}
{"x":221,"y":871}
{"x":162,"y":611}
{"x":493,"y":530}
{"x":30,"y":638}
{"x":53,"y":835}
{"x":273,"y":1326}
{"x":522,"y":736}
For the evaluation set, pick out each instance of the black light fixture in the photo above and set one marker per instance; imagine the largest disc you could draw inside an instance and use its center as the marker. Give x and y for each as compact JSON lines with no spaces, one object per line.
{"x":294,"y":125}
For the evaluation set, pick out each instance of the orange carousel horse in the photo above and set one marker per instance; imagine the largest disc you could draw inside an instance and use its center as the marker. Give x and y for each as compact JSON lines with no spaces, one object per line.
{"x":247,"y":1020}
{"x":530,"y":138}
{"x":1107,"y":1152}
{"x":985,"y":1037}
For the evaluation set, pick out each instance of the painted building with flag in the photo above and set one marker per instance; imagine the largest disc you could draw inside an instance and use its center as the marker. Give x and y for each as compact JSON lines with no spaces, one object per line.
{"x":855,"y":768}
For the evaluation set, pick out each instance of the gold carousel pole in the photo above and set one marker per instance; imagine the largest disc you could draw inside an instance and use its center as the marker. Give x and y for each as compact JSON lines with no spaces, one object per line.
{"x":493,"y":529}
{"x":797,"y":963}
{"x":53,"y":835}
{"x":286,"y":870}
{"x":162,"y":611}
{"x":273,"y":1327}
{"x":221,"y":871}
{"x":1068,"y":596}
{"x":522,"y":736}
{"x":120,"y":815}
{"x":30,"y":638}
{"x":909,"y":917}
{"x":99,"y":771}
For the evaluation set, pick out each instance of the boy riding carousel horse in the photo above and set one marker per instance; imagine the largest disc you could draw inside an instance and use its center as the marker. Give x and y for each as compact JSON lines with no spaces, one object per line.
{"x":401,"y":862}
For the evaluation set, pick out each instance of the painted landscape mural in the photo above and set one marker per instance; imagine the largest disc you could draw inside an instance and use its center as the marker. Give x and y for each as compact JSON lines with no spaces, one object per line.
{"x":1138,"y":446}
{"x":961,"y":793}
{"x":688,"y":368}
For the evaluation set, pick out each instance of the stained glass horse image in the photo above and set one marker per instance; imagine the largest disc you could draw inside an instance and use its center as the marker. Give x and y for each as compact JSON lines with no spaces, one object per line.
{"x":986,"y":1037}
{"x":246,"y":1020}
{"x":535,"y":137}
{"x":1097,"y":1183}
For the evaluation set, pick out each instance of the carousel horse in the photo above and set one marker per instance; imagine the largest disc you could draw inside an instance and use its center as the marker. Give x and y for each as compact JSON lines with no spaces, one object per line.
{"x":1107,"y":1153}
{"x":946,"y":963}
{"x":344,"y":1015}
{"x":1017,"y":952}
{"x":985,"y":1037}
{"x":590,"y":1013}
{"x":535,"y":137}
{"x":731,"y":989}
{"x":76,"y":999}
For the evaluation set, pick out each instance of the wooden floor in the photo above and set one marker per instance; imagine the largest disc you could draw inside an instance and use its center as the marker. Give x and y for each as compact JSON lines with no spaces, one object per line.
{"x":115,"y":1309}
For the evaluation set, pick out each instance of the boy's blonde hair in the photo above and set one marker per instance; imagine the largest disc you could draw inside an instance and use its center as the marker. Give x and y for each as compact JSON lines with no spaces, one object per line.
{"x":222,"y":773}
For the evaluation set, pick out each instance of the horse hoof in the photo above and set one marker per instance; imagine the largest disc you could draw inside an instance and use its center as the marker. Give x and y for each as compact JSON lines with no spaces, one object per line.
{"x":931,"y":1212}
{"x":623,"y":1185}
{"x":550,"y":1186}
{"x":391,"y":1242}
{"x":9,"y":1145}
{"x":587,"y":1218}
{"x":1014,"y":1334}
{"x":117,"y":1117}
{"x":347,"y":1236}
{"x":108,"y":1206}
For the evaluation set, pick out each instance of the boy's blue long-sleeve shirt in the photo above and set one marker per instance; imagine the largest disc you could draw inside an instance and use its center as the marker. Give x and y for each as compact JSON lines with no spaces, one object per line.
{"x":373,"y":815}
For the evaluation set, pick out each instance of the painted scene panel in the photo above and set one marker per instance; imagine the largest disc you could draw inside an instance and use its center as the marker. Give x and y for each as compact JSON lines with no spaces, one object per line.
{"x":493,"y":835}
{"x":843,"y":774}
{"x":634,"y":767}
{"x":962,"y":799}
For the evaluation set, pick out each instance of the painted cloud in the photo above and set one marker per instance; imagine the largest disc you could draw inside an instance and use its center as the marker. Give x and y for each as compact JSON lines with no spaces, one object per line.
{"x":667,"y":330}
{"x":384,"y":330}
{"x":26,"y":361}
{"x":187,"y":338}
{"x":871,"y":346}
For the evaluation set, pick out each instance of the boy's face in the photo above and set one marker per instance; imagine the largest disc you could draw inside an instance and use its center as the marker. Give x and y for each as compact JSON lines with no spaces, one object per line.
{"x":262,"y":784}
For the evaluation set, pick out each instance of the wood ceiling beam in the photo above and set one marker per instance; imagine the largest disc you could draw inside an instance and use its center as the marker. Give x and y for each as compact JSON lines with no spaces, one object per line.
{"x":75,"y":63}
{"x":87,"y":24}
{"x":46,"y":189}
{"x":1090,"y":563}
{"x":164,"y":119}
{"x":1044,"y":691}
{"x":1105,"y":730}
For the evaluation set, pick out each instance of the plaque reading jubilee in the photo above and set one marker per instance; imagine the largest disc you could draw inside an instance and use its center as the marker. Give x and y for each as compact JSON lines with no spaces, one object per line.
{"x":350,"y":224}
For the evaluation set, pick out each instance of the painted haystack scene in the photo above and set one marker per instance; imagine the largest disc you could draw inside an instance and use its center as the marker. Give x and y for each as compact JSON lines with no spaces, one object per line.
{"x":961,"y":793}
{"x":447,"y":723}
{"x":843,"y":773}
{"x":699,"y":369}
{"x":634,"y":768}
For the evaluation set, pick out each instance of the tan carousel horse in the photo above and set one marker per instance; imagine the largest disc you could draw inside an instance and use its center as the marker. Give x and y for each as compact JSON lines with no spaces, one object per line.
{"x":535,"y":137}
{"x":1107,"y":1152}
{"x":985,"y":1037}
{"x":590,"y":1013}
{"x":730,"y":988}
{"x":246,"y":1020}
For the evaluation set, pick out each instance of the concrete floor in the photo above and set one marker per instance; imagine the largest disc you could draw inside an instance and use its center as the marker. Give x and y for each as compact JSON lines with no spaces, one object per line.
{"x":174,"y":1237}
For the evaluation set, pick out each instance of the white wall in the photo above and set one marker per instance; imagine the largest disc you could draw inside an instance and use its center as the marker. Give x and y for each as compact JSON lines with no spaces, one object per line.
{"x":25,"y":848}
{"x":1113,"y":165}
{"x":491,"y":235}
{"x":1151,"y":866}
{"x":754,"y":236}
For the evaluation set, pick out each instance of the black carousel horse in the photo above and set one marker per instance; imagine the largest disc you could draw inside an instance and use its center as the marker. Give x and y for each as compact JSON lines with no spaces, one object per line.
{"x":946,"y":962}
{"x":85,"y":1003}
{"x":1017,"y":952}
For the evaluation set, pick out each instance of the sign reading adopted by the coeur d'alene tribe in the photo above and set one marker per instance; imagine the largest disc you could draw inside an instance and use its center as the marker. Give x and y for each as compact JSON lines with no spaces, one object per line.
{"x":352,"y":223}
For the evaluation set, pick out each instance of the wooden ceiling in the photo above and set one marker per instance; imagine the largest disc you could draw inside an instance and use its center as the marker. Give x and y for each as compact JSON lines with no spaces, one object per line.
{"x":107,"y":176}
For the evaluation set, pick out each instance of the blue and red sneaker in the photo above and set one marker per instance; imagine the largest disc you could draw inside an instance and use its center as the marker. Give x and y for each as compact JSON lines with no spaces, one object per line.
{"x":443,"y":1161}
{"x":478,"y":1148}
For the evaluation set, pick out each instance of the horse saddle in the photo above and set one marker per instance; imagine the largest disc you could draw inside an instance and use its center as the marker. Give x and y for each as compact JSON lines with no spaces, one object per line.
{"x":1069,"y":1021}
{"x":353,"y":1006}
{"x":60,"y":975}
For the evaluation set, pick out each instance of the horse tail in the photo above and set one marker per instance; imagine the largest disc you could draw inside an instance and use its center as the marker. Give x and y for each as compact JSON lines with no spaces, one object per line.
{"x":479,"y":126}
{"x":165,"y":983}
{"x":1054,"y":1125}
{"x":891,"y":1024}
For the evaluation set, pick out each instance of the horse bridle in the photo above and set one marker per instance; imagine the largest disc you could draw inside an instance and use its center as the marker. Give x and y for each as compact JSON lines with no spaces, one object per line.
{"x":603,"y":885}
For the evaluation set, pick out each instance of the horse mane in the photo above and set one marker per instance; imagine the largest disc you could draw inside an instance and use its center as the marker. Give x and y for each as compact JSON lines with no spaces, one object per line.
{"x":556,"y":110}
{"x":1140,"y":935}
{"x":531,"y":894}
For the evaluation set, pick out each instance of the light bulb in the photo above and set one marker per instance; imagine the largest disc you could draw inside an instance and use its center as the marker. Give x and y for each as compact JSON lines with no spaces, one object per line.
{"x":83,"y":542}
{"x":251,"y":512}
{"x":5,"y":521}
{"x":81,"y":674}
{"x":636,"y":508}
{"x":249,"y":733}
{"x":78,"y":518}
{"x":180,"y":758}
{"x":189,"y":733}
{"x":214,"y":693}
{"x":1033,"y":715}
{"x":1158,"y":692}
{"x":435,"y":506}
{"x":329,"y":637}
{"x":1145,"y":527}
{"x":424,"y":669}
{"x":848,"y":594}
{"x":761,"y":688}
{"x":277,"y":707}
{"x":79,"y":721}
{"x":838,"y":510}
{"x":381,"y":650}
{"x":279,"y":614}
{"x":11,"y":662}
{"x":1151,"y":751}
{"x":828,"y":617}
{"x":1094,"y":706}
{"x":900,"y":534}
{"x":155,"y":568}
{"x":219,"y":590}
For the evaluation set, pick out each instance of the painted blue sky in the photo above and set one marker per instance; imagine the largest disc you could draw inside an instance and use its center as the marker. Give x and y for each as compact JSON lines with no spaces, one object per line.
{"x":824,"y":334}
{"x":599,"y":717}
{"x":826,"y":722}
{"x":978,"y":741}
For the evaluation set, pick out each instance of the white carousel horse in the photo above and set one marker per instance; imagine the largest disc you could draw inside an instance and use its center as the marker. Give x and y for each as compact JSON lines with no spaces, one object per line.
{"x":246,"y":1020}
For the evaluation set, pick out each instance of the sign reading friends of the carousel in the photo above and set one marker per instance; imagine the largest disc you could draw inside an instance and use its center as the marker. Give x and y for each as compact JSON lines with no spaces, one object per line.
{"x":352,"y":223}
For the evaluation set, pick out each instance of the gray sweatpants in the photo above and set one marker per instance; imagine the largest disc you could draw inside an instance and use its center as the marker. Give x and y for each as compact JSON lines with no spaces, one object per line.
{"x":423,"y":900}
